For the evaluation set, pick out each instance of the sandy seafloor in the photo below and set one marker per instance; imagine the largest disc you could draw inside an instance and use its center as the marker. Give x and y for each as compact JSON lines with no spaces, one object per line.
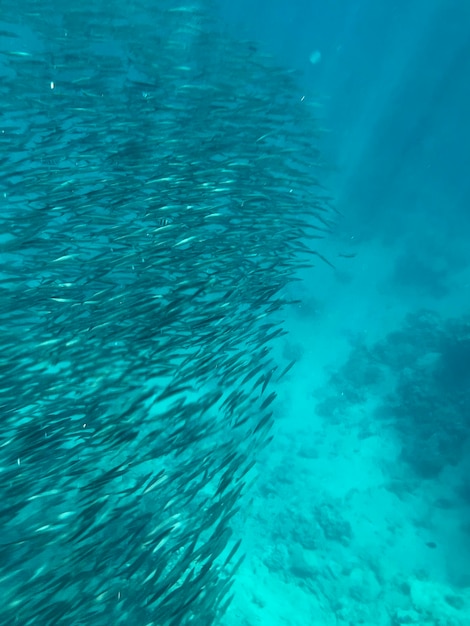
{"x":341,"y":529}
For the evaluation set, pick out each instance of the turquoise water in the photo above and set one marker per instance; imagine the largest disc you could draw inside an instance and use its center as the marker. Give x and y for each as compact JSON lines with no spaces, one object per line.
{"x":362,"y":510}
{"x":200,"y":426}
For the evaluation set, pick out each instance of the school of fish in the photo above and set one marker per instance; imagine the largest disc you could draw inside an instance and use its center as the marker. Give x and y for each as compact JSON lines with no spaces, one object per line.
{"x":158,"y":194}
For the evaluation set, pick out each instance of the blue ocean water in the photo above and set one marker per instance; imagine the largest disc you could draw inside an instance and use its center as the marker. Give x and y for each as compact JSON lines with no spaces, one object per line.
{"x":362,"y":514}
{"x":358,"y":510}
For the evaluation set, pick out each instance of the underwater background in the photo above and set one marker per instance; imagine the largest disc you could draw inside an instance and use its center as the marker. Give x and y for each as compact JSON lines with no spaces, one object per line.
{"x":363,"y":510}
{"x":234,"y":313}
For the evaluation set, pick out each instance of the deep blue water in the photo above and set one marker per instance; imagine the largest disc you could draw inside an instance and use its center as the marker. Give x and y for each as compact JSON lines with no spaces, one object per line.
{"x":392,"y":78}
